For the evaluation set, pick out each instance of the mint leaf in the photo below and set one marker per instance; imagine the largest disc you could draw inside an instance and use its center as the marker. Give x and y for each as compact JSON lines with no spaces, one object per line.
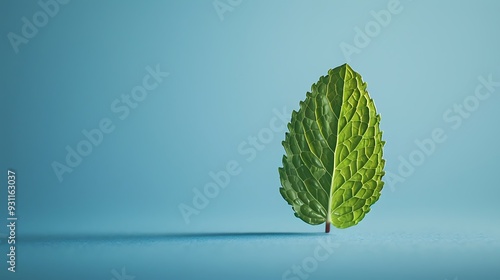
{"x":333,"y":167}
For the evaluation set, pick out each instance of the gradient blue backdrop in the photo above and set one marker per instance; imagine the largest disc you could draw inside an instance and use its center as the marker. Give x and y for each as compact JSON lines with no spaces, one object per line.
{"x":226,"y":78}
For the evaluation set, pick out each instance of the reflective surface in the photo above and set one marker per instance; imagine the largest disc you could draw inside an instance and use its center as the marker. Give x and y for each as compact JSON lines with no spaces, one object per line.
{"x":262,"y":256}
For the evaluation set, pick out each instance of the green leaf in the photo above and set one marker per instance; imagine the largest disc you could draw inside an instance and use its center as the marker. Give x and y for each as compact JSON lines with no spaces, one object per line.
{"x":333,"y":167}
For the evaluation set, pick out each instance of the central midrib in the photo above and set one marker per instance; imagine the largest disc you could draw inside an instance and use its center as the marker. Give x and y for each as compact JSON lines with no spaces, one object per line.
{"x":329,"y":213}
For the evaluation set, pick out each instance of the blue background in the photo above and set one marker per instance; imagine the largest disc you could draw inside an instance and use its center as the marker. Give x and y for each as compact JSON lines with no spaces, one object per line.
{"x":227,"y":75}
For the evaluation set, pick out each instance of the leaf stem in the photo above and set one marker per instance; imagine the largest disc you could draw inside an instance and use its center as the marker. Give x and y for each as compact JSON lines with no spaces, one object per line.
{"x":327,"y":227}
